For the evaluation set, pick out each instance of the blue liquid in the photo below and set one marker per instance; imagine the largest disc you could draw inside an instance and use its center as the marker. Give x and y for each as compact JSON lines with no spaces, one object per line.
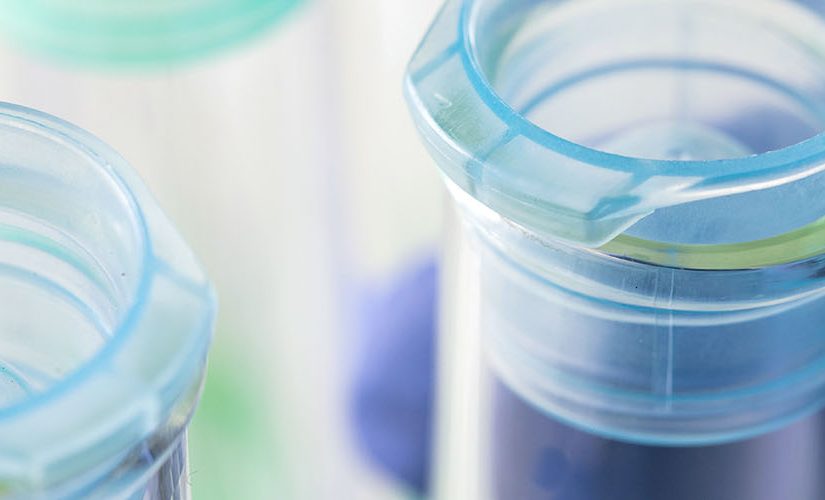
{"x":537,"y":458}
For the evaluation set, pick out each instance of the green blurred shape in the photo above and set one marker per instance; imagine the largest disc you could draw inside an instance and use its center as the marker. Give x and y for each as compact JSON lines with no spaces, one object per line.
{"x":234,"y":442}
{"x":136,"y":32}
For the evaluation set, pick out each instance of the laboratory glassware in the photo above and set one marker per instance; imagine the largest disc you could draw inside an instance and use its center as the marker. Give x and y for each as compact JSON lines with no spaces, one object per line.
{"x":246,"y":136}
{"x":633,"y":297}
{"x":105,"y":325}
{"x":210,"y":100}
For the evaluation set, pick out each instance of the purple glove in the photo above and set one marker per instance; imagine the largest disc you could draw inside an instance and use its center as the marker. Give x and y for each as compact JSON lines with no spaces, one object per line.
{"x":393,"y":392}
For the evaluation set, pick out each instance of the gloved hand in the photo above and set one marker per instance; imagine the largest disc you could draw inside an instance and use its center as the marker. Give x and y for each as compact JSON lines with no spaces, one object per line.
{"x":392,"y":397}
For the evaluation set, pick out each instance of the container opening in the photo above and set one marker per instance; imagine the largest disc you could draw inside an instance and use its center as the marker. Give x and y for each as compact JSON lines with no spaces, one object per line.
{"x":665,"y":80}
{"x":684,"y":82}
{"x":71,"y":255}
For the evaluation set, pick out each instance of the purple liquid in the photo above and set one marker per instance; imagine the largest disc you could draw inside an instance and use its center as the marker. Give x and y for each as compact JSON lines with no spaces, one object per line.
{"x":538,"y":458}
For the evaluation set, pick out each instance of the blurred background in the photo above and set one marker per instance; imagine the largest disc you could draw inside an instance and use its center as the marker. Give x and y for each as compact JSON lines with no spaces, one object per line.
{"x":274,"y":133}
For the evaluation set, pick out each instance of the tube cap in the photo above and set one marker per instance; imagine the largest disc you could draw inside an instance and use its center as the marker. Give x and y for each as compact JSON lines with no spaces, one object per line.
{"x":588,"y":195}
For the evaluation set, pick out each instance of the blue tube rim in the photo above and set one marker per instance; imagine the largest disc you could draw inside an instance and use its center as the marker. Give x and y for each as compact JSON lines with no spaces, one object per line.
{"x":752,"y":168}
{"x":149,"y":369}
{"x":81,"y":140}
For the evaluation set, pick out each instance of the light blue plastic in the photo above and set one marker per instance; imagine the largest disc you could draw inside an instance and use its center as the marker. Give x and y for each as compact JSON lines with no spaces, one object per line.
{"x":476,"y":120}
{"x":105,"y":323}
{"x":657,"y":281}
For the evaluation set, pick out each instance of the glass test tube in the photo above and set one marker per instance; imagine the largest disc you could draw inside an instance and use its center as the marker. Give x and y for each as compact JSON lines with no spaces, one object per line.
{"x":222,"y":133}
{"x":215,"y":103}
{"x":107,"y":318}
{"x":633,"y":286}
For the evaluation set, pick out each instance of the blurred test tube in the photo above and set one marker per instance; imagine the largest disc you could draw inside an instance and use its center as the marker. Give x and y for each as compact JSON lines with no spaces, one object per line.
{"x":223,"y":121}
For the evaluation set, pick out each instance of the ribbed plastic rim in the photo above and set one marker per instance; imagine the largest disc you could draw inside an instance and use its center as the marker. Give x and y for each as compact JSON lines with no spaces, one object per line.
{"x":774,"y":167}
{"x":796,"y":245}
{"x":113,"y":364}
{"x":11,"y":113}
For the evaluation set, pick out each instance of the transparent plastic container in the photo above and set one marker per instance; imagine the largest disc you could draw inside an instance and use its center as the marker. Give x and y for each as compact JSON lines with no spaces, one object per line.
{"x":633,"y":284}
{"x":255,"y":122}
{"x":211,"y":100}
{"x":106,"y":322}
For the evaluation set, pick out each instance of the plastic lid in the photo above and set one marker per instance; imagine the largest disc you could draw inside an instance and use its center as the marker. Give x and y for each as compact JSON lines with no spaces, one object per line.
{"x":136,"y":31}
{"x":107,"y":314}
{"x":485,"y":86}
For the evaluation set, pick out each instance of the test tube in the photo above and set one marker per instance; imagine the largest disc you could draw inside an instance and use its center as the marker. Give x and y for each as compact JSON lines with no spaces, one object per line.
{"x":105,"y":325}
{"x":633,"y":295}
{"x":213,"y":102}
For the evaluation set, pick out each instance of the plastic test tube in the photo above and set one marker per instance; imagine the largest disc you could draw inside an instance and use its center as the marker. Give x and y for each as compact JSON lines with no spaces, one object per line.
{"x":217,"y":105}
{"x":105,"y":324}
{"x":634,"y":302}
{"x":218,"y":120}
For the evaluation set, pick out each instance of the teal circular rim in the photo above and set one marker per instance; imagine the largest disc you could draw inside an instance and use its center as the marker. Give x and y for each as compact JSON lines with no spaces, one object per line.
{"x":136,"y":32}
